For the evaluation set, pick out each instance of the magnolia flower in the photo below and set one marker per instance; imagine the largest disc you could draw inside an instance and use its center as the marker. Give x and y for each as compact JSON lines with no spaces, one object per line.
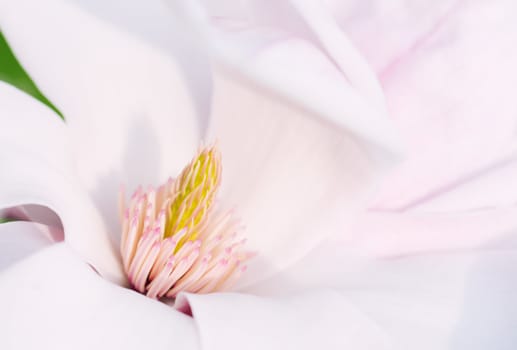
{"x":302,"y":147}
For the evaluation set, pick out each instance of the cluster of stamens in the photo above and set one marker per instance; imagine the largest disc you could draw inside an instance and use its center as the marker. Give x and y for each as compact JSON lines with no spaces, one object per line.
{"x":177,"y":238}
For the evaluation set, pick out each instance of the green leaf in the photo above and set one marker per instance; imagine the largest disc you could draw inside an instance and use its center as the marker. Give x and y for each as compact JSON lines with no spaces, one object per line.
{"x":13,"y":73}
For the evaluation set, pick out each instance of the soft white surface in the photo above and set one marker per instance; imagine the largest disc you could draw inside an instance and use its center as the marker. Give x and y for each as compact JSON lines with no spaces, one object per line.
{"x":21,"y":239}
{"x":295,"y":179}
{"x":448,"y":300}
{"x":449,"y":282}
{"x":445,"y":67}
{"x":452,"y":95}
{"x":53,"y":300}
{"x":296,"y":49}
{"x":36,"y":169}
{"x":323,"y":319}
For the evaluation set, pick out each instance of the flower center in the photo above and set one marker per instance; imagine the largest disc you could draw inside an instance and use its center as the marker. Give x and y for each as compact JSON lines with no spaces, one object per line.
{"x":178,"y":238}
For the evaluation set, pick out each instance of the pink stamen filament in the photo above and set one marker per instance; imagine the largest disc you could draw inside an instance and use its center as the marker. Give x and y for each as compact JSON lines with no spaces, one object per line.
{"x":163,"y":259}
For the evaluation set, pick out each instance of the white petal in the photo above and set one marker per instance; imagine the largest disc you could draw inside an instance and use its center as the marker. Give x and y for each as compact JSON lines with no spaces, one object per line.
{"x":53,"y":300}
{"x":317,"y":320}
{"x":493,"y":187}
{"x":294,"y":178}
{"x":460,"y":300}
{"x":35,"y":213}
{"x":341,"y":50}
{"x":296,"y":49}
{"x":484,"y":177}
{"x":20,"y":239}
{"x":453,"y":99}
{"x":151,"y":21}
{"x":405,"y":26}
{"x":125,"y":100}
{"x":392,"y":234}
{"x":34,"y":150}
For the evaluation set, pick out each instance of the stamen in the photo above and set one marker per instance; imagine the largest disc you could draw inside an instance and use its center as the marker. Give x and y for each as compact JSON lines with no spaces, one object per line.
{"x":178,"y":238}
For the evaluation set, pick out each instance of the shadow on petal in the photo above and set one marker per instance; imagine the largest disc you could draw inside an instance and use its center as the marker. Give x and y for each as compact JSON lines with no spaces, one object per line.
{"x":38,"y":214}
{"x":141,"y":165}
{"x":154,"y":23}
{"x":490,"y":311}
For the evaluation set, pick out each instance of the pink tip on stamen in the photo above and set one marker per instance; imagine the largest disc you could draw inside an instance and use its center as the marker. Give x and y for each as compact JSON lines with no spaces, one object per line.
{"x":203,"y":257}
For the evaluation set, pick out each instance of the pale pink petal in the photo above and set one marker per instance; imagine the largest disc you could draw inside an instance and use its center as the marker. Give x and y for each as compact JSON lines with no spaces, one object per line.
{"x":453,"y":97}
{"x":491,"y":187}
{"x":21,"y":239}
{"x":35,"y":158}
{"x":125,"y":100}
{"x":53,"y":300}
{"x":34,"y":213}
{"x":448,"y":300}
{"x":293,"y":177}
{"x":270,"y":22}
{"x":388,"y":32}
{"x":393,"y":234}
{"x":313,"y":320}
{"x":296,"y":49}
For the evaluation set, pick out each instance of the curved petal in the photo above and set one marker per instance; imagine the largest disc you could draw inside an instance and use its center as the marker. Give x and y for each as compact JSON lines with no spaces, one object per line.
{"x":458,"y":300}
{"x":21,"y":239}
{"x":53,"y":300}
{"x":294,"y":178}
{"x":381,"y":234}
{"x":381,"y":240}
{"x":34,"y":213}
{"x":317,"y":320}
{"x":125,"y":101}
{"x":438,"y":181}
{"x":34,"y":151}
{"x":152,"y":22}
{"x":296,"y":49}
{"x":492,"y":187}
{"x":405,"y":26}
{"x":453,"y":99}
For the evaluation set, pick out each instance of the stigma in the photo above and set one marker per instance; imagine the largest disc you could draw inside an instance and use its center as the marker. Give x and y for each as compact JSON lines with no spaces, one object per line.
{"x":178,"y":238}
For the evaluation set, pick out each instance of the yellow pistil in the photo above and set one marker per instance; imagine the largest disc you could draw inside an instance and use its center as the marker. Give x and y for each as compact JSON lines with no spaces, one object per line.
{"x":193,"y":195}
